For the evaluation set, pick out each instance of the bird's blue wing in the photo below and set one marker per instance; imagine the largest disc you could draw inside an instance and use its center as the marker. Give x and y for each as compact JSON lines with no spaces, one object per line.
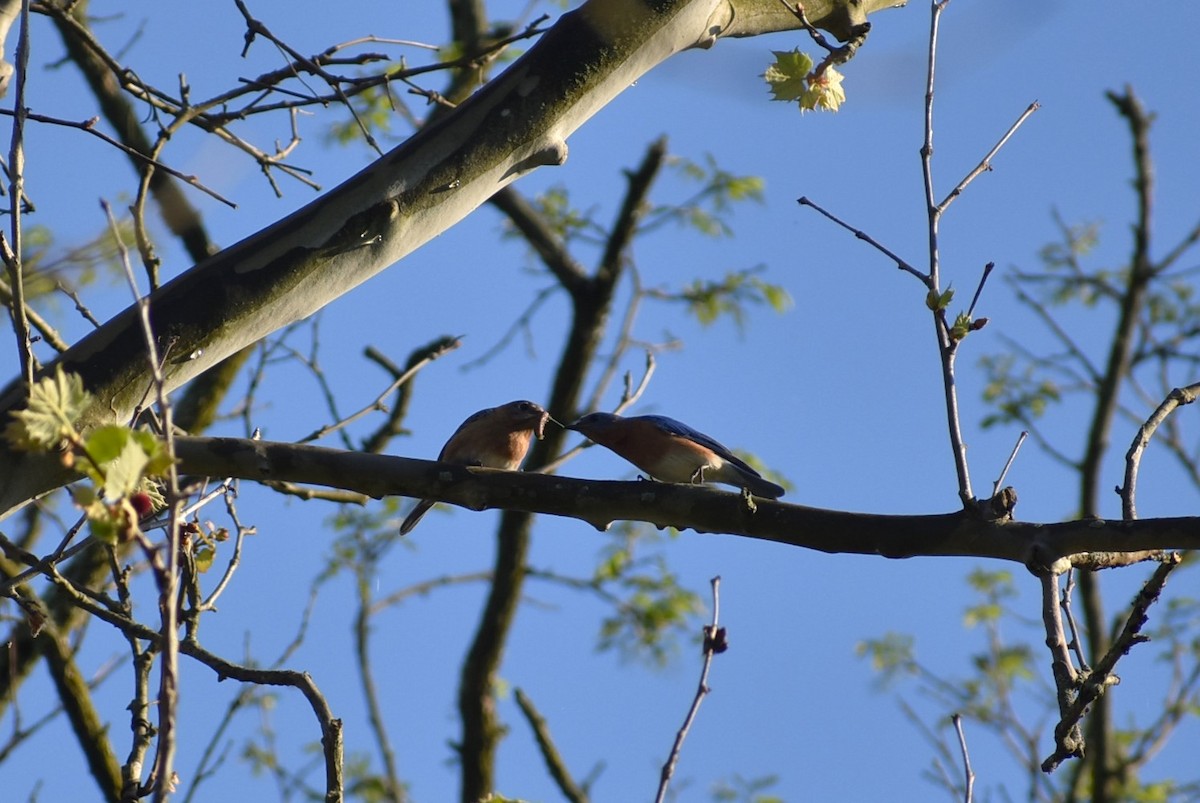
{"x":682,"y":430}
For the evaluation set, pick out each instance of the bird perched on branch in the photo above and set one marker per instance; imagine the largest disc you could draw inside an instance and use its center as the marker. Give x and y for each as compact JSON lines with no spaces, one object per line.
{"x":671,"y":451}
{"x":497,"y":437}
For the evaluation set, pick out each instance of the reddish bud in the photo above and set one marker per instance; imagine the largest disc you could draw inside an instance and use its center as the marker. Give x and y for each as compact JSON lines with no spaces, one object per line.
{"x":142,"y":505}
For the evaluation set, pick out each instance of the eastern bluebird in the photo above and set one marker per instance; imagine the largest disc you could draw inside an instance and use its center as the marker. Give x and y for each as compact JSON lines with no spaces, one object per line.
{"x":672,"y":452}
{"x":497,"y":437}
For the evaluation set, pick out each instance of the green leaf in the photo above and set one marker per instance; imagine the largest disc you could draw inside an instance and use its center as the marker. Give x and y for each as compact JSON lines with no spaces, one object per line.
{"x":704,"y":223}
{"x":742,"y":188}
{"x":937,"y":302}
{"x":651,"y":610}
{"x":157,"y":458}
{"x":48,"y":264}
{"x":204,"y":558}
{"x":792,"y":78}
{"x":787,"y":77}
{"x":123,"y":474}
{"x":612,"y":567}
{"x":103,"y":529}
{"x":976,"y":614}
{"x":1005,"y":664}
{"x":55,"y":405}
{"x":106,"y":522}
{"x":1017,"y":396}
{"x":891,"y":654}
{"x":709,"y":300}
{"x":779,"y":298}
{"x":105,"y":444}
{"x":123,"y":458}
{"x":997,"y":583}
{"x":83,"y":495}
{"x":961,"y":327}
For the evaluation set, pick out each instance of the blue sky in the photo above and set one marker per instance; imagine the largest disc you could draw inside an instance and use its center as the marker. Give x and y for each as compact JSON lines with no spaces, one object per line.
{"x":840,"y":394}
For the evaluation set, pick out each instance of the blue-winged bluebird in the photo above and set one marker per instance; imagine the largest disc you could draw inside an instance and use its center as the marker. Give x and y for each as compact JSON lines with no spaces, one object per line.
{"x":497,"y":437}
{"x":672,"y":452}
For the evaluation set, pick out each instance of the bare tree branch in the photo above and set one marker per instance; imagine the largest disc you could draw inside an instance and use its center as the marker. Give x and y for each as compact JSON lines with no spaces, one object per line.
{"x":571,"y":790}
{"x":701,"y":508}
{"x":715,"y":641}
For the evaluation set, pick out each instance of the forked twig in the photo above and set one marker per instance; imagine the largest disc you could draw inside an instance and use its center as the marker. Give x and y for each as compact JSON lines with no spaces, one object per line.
{"x":379,"y":403}
{"x":1077,"y":695}
{"x":89,"y":126}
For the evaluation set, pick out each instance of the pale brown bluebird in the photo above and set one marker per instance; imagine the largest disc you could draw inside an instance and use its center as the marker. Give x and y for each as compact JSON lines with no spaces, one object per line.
{"x":497,"y":437}
{"x":671,"y":451}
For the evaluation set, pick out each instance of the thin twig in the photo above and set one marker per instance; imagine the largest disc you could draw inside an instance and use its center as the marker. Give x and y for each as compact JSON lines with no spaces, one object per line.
{"x":862,"y":235}
{"x":1008,"y":464}
{"x":89,"y":126}
{"x":947,"y":340}
{"x":229,"y":493}
{"x":986,"y":163}
{"x":968,"y":773}
{"x":555,"y":765}
{"x":1133,"y":458}
{"x":835,"y":56}
{"x":331,"y":727}
{"x":16,"y":191}
{"x":256,"y":27}
{"x":445,"y":347}
{"x":366,"y":576}
{"x":166,"y":567}
{"x":628,"y":399}
{"x":1091,"y":372}
{"x":714,"y":642}
{"x":1076,"y":643}
{"x":80,"y":307}
{"x":424,"y":587}
{"x":625,"y":342}
{"x":521,"y":324}
{"x":393,"y":423}
{"x":141,"y":234}
{"x":987,"y":271}
{"x":49,"y":334}
{"x":308,"y":494}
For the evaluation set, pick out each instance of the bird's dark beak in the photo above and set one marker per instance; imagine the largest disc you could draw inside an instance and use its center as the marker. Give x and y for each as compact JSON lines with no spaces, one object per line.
{"x":574,"y":427}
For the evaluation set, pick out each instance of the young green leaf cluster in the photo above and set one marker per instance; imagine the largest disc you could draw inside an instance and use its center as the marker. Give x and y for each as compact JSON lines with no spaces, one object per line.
{"x":120,"y":461}
{"x":793,"y":79}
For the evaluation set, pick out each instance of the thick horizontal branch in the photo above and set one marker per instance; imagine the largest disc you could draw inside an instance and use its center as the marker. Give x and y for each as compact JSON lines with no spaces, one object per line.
{"x":700,"y":508}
